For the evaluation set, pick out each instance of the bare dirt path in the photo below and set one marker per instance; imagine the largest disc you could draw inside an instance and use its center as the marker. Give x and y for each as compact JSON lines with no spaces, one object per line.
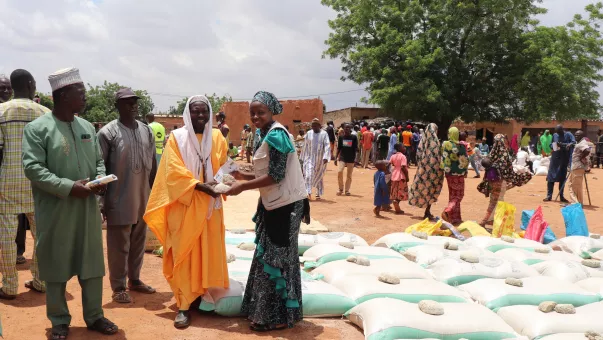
{"x":150,"y":317}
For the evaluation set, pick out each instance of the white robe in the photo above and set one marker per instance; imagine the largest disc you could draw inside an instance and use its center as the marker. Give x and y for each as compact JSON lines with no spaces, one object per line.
{"x":316,"y":150}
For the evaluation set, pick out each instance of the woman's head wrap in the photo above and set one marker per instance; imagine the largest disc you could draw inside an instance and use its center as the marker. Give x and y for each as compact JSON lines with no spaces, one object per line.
{"x":269,"y":100}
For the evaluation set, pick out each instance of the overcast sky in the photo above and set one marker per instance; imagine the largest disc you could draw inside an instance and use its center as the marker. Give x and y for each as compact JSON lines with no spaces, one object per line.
{"x":187,"y":47}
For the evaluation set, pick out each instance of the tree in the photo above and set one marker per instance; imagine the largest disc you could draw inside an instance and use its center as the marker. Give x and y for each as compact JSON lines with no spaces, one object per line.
{"x":46,"y":100}
{"x":100,"y":103}
{"x":215,"y":101}
{"x":478,"y":60}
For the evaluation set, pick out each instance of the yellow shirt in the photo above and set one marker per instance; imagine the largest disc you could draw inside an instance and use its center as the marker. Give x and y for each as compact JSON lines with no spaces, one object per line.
{"x":194,"y":251}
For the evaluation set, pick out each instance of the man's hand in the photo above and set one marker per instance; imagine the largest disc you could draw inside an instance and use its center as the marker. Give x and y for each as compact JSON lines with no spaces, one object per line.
{"x":99,"y":189}
{"x":207,"y":188}
{"x":80,"y":190}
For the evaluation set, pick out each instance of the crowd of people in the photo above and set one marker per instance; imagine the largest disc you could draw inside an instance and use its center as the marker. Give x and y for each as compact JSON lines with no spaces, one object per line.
{"x":51,"y":161}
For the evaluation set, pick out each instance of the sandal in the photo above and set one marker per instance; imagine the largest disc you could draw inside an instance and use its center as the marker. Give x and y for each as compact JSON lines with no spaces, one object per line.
{"x":104,"y":326}
{"x":141,"y":288}
{"x":267,"y":328}
{"x":4,"y":296}
{"x":21,"y":259}
{"x":59,"y":332}
{"x":121,"y":296}
{"x":30,"y":285}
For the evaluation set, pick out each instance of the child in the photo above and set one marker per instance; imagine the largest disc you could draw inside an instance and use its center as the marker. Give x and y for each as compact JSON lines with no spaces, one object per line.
{"x":490,"y":176}
{"x":399,"y":187}
{"x":381,"y":192}
{"x":233,"y":151}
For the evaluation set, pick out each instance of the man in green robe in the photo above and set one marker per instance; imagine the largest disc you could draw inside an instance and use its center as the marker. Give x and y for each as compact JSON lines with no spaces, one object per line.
{"x":61,"y":154}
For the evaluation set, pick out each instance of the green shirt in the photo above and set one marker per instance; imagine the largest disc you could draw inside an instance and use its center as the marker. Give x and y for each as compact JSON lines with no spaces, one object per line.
{"x":159,"y":133}
{"x":69,"y":236}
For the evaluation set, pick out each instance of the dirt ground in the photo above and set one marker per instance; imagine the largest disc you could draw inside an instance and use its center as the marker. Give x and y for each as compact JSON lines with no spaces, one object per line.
{"x":151,"y":316}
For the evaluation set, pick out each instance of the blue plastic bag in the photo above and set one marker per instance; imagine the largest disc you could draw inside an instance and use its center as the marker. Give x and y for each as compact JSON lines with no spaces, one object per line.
{"x":575,"y":220}
{"x":526,"y":215}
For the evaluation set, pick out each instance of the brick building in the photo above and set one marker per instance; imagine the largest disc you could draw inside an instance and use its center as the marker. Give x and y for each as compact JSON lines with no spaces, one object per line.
{"x":294,"y":112}
{"x":352,"y":113}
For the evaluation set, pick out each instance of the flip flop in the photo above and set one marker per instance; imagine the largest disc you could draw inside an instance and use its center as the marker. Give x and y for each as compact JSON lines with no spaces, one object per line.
{"x":146,"y":289}
{"x":104,"y":326}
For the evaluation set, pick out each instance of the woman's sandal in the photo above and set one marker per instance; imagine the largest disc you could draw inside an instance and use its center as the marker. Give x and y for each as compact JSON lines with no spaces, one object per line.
{"x":59,"y":332}
{"x":104,"y":326}
{"x":267,"y":328}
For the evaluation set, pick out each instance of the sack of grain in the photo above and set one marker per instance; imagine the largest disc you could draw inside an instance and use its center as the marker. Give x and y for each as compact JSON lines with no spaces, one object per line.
{"x":239,"y":269}
{"x":306,"y":241}
{"x":533,"y":257}
{"x":225,"y":301}
{"x":427,"y":254}
{"x":593,"y":284}
{"x":151,"y":243}
{"x":385,"y":318}
{"x":582,"y":246}
{"x":568,"y":271}
{"x":332,"y":272}
{"x":362,"y":288}
{"x":321,"y":299}
{"x":566,"y":336}
{"x":240,"y":254}
{"x":496,"y":293}
{"x":325,"y":253}
{"x":237,"y":237}
{"x":531,"y":322}
{"x":456,"y":272}
{"x":402,"y":240}
{"x":495,"y":244}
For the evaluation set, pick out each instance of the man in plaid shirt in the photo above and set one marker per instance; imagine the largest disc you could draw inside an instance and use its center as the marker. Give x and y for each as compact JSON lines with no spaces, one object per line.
{"x":15,"y":188}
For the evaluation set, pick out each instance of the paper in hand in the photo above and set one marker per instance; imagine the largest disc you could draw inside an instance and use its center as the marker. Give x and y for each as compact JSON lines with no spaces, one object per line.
{"x":229,"y":167}
{"x":555,"y":146}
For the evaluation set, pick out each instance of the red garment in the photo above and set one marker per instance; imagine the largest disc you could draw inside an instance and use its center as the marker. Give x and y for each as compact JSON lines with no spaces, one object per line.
{"x":363,"y":129}
{"x":398,"y":160}
{"x":456,"y":189}
{"x":367,"y":140}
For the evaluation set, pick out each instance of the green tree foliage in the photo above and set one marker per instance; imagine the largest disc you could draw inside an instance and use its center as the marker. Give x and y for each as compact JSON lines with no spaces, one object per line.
{"x":100,"y":103}
{"x":215,"y":101}
{"x":478,"y":60}
{"x":46,"y":100}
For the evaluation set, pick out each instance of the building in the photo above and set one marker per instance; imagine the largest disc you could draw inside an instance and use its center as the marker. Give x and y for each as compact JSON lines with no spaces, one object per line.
{"x":294,"y":113}
{"x":353,"y":113}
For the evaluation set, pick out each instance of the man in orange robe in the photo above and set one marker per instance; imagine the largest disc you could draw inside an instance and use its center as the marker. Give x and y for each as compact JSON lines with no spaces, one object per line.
{"x":185,"y":213}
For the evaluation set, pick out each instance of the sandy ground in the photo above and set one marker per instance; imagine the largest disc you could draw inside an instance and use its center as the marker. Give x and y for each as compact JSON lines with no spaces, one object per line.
{"x":151,"y":316}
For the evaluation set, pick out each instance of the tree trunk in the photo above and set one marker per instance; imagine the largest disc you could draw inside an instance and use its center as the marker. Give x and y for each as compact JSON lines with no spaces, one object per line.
{"x":443,"y":126}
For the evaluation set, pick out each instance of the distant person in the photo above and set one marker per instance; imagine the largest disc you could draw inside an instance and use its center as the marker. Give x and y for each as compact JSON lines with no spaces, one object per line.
{"x":393,"y":140}
{"x":399,"y":178}
{"x":346,"y":153}
{"x":129,"y":152}
{"x":315,"y":156}
{"x":59,"y":169}
{"x":475,"y":158}
{"x":375,"y":151}
{"x":158,"y":134}
{"x":36,"y":99}
{"x":407,"y":140}
{"x":15,"y":189}
{"x":484,"y":148}
{"x":563,"y":145}
{"x":545,"y":143}
{"x":381,"y":190}
{"x":367,"y":145}
{"x":221,"y":118}
{"x":383,"y":145}
{"x":416,"y":139}
{"x":599,"y":143}
{"x":250,"y":144}
{"x":233,"y":151}
{"x":6,"y":90}
{"x":244,"y":134}
{"x":331,"y":133}
{"x":579,"y":165}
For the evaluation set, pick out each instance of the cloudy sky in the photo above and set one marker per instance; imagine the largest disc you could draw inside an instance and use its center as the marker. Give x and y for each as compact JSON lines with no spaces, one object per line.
{"x":186,"y":47}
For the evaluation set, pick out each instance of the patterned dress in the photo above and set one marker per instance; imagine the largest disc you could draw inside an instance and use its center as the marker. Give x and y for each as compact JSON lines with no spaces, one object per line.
{"x":273,"y":295}
{"x":454,"y":163}
{"x":427,"y":184}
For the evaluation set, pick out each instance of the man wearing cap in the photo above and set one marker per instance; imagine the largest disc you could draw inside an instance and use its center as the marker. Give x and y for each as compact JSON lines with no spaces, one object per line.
{"x":158,"y":133}
{"x":315,"y":155}
{"x":15,"y":188}
{"x":129,"y":149}
{"x":244,"y":134}
{"x":61,"y":154}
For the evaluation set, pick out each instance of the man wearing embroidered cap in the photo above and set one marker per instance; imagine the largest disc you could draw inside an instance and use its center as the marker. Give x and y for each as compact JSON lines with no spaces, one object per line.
{"x":128,"y":147}
{"x":61,"y":153}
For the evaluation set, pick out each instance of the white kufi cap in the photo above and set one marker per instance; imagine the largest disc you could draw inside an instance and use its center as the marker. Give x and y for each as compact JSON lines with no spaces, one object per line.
{"x":64,"y":77}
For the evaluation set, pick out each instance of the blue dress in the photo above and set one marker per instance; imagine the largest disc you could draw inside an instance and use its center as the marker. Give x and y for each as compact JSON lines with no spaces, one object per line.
{"x":381,"y":189}
{"x":560,"y":159}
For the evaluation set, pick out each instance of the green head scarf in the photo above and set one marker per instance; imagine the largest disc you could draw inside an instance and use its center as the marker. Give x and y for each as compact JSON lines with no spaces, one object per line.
{"x":453,"y":135}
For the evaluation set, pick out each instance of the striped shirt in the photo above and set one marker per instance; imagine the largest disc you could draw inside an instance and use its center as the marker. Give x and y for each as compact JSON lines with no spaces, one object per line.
{"x":15,"y":188}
